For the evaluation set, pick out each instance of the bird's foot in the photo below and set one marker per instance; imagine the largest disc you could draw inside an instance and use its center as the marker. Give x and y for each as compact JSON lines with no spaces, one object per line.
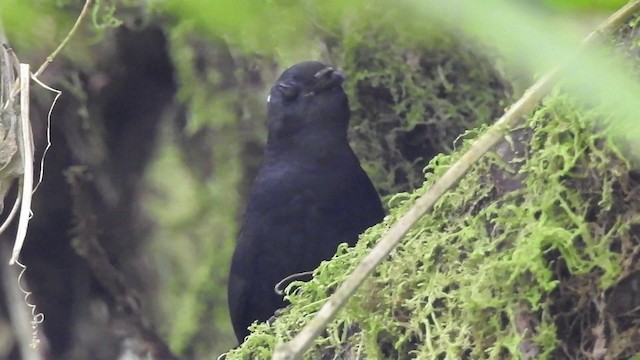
{"x":276,"y":315}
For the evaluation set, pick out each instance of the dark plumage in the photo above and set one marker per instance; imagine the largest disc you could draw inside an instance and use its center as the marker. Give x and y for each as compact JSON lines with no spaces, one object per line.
{"x":310,"y":193}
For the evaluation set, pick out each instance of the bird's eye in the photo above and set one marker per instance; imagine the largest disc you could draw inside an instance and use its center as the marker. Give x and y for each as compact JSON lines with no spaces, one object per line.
{"x":288,"y":91}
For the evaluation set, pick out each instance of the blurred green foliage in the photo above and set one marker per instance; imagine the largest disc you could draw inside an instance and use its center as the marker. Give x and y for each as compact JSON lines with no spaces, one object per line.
{"x":538,"y":44}
{"x":33,"y":24}
{"x":534,"y":43}
{"x":191,"y":247}
{"x":584,"y":5}
{"x":287,"y":30}
{"x":256,"y":26}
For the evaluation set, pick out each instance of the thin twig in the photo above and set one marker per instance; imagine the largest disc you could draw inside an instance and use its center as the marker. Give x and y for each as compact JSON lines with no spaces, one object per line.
{"x":303,"y":340}
{"x":76,"y":25}
{"x":25,"y":144}
{"x":48,"y":146}
{"x":279,"y":287}
{"x":36,"y":317}
{"x":21,"y":309}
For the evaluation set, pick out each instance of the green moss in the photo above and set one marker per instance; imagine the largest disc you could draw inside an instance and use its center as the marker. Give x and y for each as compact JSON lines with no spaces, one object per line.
{"x":412,"y":99}
{"x":468,"y":273}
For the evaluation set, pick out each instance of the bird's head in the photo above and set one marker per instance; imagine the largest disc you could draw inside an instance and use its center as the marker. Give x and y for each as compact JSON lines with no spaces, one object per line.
{"x":307,"y":100}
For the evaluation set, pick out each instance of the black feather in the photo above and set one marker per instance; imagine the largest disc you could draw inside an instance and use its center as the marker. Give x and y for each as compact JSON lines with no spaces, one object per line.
{"x":310,"y":194}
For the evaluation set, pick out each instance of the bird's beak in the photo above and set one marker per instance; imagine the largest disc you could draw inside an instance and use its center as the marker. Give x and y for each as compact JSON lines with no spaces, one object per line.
{"x":327,"y":78}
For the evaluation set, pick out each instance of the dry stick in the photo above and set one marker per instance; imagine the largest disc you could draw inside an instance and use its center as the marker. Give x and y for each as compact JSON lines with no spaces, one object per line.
{"x":302,"y":342}
{"x":26,"y":149}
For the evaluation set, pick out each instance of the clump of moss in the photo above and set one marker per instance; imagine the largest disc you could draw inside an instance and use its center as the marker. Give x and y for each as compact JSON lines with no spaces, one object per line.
{"x":488,"y":276}
{"x":412,"y":99}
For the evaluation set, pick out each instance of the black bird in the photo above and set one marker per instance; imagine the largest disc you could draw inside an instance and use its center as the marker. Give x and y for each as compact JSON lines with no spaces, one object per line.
{"x":310,"y":193}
